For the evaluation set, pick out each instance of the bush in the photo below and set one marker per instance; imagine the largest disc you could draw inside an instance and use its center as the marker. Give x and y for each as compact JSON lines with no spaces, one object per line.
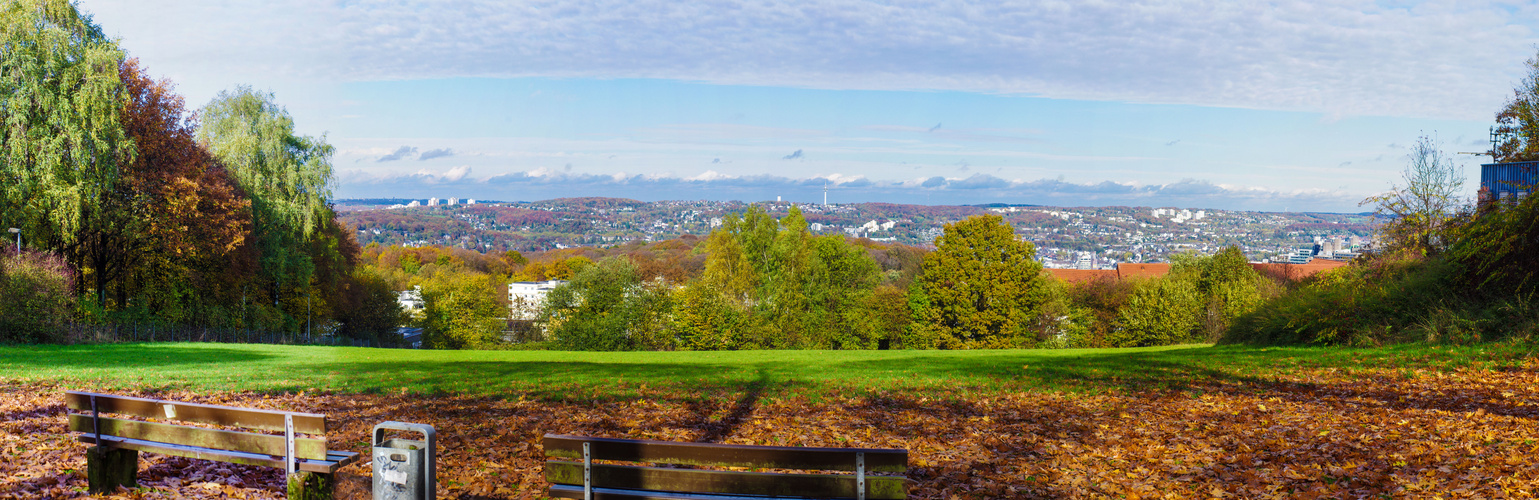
{"x":1159,"y":312}
{"x":1376,"y":301}
{"x":38,"y":291}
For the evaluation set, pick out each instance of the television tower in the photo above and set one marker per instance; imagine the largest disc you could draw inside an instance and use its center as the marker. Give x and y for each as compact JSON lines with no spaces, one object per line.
{"x":825,"y":194}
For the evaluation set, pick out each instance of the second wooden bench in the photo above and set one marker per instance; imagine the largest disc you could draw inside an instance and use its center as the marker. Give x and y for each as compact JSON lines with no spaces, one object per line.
{"x":578,"y":476}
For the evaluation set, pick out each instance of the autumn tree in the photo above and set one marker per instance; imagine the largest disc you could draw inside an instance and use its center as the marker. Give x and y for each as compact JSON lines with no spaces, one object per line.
{"x":173,"y":219}
{"x":1420,"y":210}
{"x":1517,"y":124}
{"x":60,"y":98}
{"x":981,"y":286}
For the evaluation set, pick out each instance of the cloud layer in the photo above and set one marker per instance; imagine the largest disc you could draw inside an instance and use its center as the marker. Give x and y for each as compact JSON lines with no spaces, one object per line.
{"x":1345,"y":57}
{"x":976,"y":189}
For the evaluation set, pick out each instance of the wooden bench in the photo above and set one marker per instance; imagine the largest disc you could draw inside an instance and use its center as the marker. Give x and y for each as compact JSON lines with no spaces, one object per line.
{"x":114,"y":460}
{"x":579,"y":476}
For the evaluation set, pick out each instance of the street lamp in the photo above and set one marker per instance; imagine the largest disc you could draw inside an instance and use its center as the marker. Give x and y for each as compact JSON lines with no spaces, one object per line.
{"x":18,"y":239}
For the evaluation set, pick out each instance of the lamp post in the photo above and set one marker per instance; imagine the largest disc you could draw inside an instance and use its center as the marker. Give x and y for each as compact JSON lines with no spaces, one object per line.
{"x":18,"y":239}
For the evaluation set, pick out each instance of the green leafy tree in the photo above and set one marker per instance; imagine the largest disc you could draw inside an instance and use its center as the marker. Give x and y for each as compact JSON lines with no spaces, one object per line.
{"x":370,"y":310}
{"x":1227,"y":287}
{"x":983,"y":285}
{"x":703,"y":320}
{"x":786,"y":289}
{"x":462,"y":311}
{"x":839,"y":281}
{"x":60,"y":99}
{"x":594,"y":311}
{"x":286,"y":175}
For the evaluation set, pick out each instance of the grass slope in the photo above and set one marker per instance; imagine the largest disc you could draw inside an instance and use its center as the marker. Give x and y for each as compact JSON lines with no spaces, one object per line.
{"x":577,"y":376}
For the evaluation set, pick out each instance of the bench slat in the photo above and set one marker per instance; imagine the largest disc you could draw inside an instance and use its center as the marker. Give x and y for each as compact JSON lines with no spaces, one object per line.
{"x":201,"y":438}
{"x":336,"y":459}
{"x":308,"y":423}
{"x":569,"y":491}
{"x":729,"y":455}
{"x":726,"y":482}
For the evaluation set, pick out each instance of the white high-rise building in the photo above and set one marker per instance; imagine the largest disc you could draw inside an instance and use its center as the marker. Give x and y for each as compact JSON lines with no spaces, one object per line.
{"x":470,"y":201}
{"x":453,"y":201}
{"x":432,"y":202}
{"x":413,"y":204}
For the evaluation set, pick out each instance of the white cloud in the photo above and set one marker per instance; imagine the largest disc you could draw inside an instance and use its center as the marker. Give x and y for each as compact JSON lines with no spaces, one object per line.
{"x":1346,"y":57}
{"x":976,"y":189}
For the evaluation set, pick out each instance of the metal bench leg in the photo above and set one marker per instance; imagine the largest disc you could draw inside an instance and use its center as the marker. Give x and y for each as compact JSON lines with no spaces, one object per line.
{"x":106,"y":469}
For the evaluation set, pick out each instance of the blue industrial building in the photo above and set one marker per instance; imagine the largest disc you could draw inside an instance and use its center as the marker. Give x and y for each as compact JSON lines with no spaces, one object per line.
{"x":1508,"y":181}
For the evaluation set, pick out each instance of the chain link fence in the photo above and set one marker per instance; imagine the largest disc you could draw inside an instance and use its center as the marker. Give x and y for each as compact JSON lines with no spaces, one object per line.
{"x":85,"y":333}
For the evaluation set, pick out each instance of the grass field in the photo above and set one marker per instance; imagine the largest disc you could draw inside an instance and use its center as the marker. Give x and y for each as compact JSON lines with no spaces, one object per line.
{"x":1176,"y":422}
{"x":559,"y":376}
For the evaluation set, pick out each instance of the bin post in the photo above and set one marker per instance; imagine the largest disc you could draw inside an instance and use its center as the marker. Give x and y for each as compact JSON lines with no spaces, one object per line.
{"x":405,"y":469}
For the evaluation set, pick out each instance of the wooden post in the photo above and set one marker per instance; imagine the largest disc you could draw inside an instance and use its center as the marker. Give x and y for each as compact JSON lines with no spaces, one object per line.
{"x":108,"y":469}
{"x":312,"y":486}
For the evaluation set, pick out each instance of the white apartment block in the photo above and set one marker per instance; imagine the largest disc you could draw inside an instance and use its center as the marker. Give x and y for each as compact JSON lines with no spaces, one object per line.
{"x":525,"y":298}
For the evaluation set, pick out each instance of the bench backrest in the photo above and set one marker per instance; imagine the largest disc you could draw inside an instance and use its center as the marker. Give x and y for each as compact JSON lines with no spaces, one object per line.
{"x":88,"y":407}
{"x":861,"y":460}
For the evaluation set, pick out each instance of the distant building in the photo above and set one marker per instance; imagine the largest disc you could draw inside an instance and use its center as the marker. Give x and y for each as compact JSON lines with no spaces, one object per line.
{"x":525,"y":298}
{"x":412,"y":337}
{"x":413,"y":204}
{"x":1507,"y":182}
{"x":1302,"y":255}
{"x":410,"y":300}
{"x":470,"y":201}
{"x":432,"y":202}
{"x":453,"y":201}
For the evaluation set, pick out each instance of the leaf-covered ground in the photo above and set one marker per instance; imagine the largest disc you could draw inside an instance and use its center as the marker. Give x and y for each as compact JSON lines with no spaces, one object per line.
{"x":1311,"y":432}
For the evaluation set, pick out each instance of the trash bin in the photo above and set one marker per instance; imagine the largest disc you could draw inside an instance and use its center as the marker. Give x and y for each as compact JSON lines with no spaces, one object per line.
{"x":405,"y":469}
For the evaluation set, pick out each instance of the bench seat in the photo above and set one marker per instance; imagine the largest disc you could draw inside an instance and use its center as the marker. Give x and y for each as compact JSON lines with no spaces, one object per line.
{"x":333,"y":460}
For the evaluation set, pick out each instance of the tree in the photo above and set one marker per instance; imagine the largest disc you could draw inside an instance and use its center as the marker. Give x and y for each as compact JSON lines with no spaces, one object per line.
{"x":371,"y":310}
{"x":60,"y":98}
{"x":172,"y":217}
{"x":1517,"y":124}
{"x":982,"y":284}
{"x":607,"y":307}
{"x":785,"y":288}
{"x":1418,"y":212}
{"x":287,"y":177}
{"x":461,"y":311}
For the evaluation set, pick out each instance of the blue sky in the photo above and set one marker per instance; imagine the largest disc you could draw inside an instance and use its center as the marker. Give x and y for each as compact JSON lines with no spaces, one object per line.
{"x":1233,"y":105}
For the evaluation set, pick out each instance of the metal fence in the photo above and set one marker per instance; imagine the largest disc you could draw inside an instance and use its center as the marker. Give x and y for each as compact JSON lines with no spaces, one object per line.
{"x":85,"y":333}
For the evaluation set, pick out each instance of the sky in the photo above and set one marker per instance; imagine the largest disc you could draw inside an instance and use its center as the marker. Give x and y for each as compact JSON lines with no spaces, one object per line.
{"x":1272,"y":106}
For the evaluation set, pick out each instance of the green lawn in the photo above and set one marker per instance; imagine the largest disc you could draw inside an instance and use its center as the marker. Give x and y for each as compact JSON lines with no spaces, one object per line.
{"x":557,"y":375}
